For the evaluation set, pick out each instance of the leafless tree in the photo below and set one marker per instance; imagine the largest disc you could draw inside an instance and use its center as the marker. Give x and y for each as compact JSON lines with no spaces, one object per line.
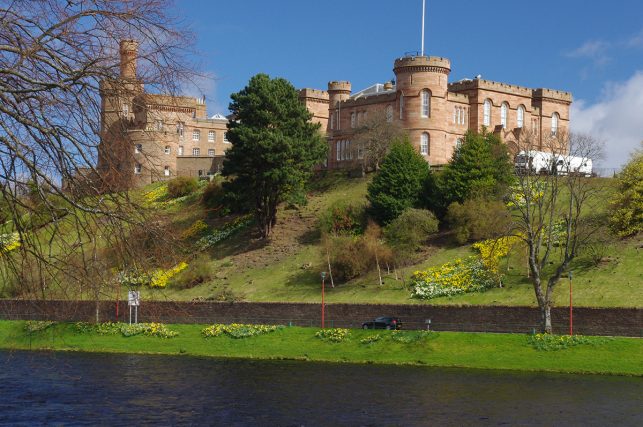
{"x":374,"y":138}
{"x":553,"y":204}
{"x":55,"y":56}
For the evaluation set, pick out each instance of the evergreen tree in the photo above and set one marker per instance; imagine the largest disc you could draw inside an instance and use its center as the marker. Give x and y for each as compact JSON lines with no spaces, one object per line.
{"x":398,"y":184}
{"x":274,"y":147}
{"x":626,"y":218}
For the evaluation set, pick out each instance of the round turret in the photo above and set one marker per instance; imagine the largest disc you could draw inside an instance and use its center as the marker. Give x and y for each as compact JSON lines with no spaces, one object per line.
{"x":338,"y":91}
{"x":129,"y":54}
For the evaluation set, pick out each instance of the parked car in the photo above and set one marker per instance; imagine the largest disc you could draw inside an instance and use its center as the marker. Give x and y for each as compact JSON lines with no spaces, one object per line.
{"x":383,"y":323}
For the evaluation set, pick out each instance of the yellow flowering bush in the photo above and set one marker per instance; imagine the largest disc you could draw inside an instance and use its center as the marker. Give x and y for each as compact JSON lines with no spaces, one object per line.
{"x":333,"y":334}
{"x":453,"y":278}
{"x":518,"y":198}
{"x":9,"y":242}
{"x":156,"y":195}
{"x":238,"y":330}
{"x":160,"y":278}
{"x":199,"y":227}
{"x":492,"y":250}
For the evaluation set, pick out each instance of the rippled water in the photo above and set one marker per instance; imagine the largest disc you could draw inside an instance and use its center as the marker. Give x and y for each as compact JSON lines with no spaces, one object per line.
{"x":100,"y":389}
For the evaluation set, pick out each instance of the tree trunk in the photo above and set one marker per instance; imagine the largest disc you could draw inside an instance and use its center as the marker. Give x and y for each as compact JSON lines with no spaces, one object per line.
{"x":330,"y":270}
{"x":545,"y":313}
{"x":97,"y":310}
{"x":379,"y":272}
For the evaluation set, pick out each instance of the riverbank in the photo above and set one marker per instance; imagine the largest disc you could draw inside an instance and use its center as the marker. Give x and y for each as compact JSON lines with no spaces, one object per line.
{"x":612,"y":356}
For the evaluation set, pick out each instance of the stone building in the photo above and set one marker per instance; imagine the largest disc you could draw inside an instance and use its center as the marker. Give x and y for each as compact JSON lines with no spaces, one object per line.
{"x":148,"y":137}
{"x":435,"y":113}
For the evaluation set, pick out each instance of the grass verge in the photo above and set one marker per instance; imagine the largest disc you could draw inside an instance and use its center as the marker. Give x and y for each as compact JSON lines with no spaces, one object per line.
{"x":613,"y":356}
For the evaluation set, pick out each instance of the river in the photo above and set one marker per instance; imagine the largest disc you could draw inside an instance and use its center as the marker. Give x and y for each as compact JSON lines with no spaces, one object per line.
{"x":57,"y":388}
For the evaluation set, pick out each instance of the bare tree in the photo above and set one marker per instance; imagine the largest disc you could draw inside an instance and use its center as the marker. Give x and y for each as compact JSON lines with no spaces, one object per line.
{"x":553,"y":204}
{"x":374,"y":138}
{"x":56,"y":56}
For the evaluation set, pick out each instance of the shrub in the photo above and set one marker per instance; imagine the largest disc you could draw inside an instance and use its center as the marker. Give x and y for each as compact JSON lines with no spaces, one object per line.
{"x":398,"y":184}
{"x":200,"y":271}
{"x":412,"y":228}
{"x":478,"y":219}
{"x":457,"y":277}
{"x":349,"y":257}
{"x":626,"y":218}
{"x":149,"y":329}
{"x":213,"y":194}
{"x":160,"y":278}
{"x":38,"y":325}
{"x":492,"y":250}
{"x":181,"y":186}
{"x":343,"y":219}
{"x":333,"y":334}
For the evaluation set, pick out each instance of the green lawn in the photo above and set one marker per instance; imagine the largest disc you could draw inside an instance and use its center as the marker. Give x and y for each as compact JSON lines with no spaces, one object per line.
{"x":622,"y":356}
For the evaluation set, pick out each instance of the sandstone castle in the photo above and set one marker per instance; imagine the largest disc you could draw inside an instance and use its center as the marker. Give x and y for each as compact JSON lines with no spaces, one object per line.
{"x":147,"y":137}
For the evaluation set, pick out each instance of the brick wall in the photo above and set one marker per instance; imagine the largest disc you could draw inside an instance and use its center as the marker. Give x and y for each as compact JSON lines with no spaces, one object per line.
{"x":589,"y":321}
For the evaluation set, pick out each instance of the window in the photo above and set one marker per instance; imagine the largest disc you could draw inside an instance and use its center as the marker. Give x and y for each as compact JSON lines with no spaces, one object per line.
{"x":554,"y":124}
{"x":520,"y":116}
{"x":455,"y":115}
{"x":486,"y":113}
{"x":360,"y":151}
{"x":401,"y":106}
{"x":179,"y":129}
{"x":138,"y":148}
{"x":167,"y":150}
{"x":211,"y":136}
{"x":424,"y":144}
{"x":225,"y":137}
{"x":503,"y":115}
{"x":211,"y":152}
{"x":426,"y":103}
{"x":196,"y":152}
{"x":125,"y":110}
{"x":389,"y":113}
{"x":338,"y":150}
{"x":463,"y":113}
{"x":365,"y":116}
{"x":180,"y":150}
{"x":534,"y":125}
{"x":159,"y":125}
{"x":458,"y":143}
{"x":196,"y":135}
{"x":353,"y":120}
{"x":332,"y":121}
{"x":138,"y":168}
{"x":458,"y":115}
{"x":166,"y":171}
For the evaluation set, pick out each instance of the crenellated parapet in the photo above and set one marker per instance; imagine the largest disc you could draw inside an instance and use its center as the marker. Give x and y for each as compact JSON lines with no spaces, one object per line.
{"x":414,"y":64}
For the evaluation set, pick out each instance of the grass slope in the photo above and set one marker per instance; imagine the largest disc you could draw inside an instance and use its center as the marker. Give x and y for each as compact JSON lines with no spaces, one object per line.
{"x":621,"y":356}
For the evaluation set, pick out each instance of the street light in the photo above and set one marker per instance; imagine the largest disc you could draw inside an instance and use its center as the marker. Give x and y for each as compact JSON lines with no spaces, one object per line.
{"x":571,"y":307}
{"x":323,"y":277}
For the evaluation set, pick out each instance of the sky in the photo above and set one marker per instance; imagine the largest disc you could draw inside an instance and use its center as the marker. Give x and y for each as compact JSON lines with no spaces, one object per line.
{"x":593,"y":49}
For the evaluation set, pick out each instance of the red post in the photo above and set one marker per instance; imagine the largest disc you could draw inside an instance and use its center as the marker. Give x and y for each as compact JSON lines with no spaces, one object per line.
{"x":322,"y":313}
{"x":571,"y":307}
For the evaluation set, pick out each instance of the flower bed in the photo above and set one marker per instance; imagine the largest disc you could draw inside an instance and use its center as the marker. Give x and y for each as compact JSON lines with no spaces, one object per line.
{"x":110,"y":328}
{"x":550,"y":342}
{"x":454,"y":278}
{"x":333,"y":334}
{"x":38,"y":325}
{"x":238,"y":330}
{"x":223,"y":233}
{"x":161,"y":277}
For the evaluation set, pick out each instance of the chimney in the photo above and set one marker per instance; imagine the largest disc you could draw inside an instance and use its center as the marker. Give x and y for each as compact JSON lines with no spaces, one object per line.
{"x":129,"y":53}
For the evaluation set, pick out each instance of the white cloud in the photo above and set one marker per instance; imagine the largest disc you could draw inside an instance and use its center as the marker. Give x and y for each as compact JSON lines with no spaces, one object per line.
{"x":635,"y":41}
{"x":596,"y":50}
{"x":616,"y":119}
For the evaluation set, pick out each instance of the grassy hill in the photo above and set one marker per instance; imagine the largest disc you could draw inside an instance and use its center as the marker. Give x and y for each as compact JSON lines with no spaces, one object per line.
{"x":288,"y":266}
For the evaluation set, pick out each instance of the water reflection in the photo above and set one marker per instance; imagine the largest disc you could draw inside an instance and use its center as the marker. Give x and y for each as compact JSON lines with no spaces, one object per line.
{"x":91,"y":389}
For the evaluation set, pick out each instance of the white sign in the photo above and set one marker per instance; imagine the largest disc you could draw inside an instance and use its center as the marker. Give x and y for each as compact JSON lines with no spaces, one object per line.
{"x":134,"y":298}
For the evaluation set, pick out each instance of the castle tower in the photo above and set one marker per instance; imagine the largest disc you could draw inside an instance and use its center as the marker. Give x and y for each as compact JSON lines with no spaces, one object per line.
{"x":338,"y":91}
{"x":421,"y":85}
{"x":129,"y":53}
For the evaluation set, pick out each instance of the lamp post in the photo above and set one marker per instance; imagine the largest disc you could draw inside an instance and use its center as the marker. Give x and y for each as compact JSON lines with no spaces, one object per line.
{"x":323,"y":277}
{"x":571,"y":306}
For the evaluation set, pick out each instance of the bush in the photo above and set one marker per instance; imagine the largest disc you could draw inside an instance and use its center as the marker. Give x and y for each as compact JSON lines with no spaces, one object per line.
{"x":38,"y":325}
{"x":626,"y":210}
{"x":349,"y":257}
{"x":213,"y":194}
{"x":237,"y":330}
{"x":454,"y":278}
{"x":343,"y":219}
{"x":478,"y":219}
{"x":398,"y":184}
{"x":181,"y":186}
{"x":333,"y":334}
{"x":408,"y":231}
{"x":200,"y":271}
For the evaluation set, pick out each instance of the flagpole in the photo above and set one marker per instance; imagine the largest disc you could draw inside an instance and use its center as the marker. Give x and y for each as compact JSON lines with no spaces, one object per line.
{"x":423,"y":11}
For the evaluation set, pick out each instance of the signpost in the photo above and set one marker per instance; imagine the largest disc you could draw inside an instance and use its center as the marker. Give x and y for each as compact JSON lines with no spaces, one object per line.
{"x":133,"y":300}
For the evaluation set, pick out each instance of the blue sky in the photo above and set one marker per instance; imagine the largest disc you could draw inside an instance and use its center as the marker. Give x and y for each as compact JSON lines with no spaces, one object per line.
{"x":590,"y":48}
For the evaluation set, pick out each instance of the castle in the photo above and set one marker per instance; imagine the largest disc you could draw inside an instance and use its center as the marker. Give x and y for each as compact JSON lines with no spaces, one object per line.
{"x":148,"y":137}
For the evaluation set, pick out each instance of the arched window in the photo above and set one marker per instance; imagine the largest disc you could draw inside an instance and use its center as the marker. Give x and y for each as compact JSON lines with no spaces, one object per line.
{"x":167,"y":149}
{"x":520,"y":116}
{"x":554,"y":124}
{"x":338,"y":149}
{"x":503,"y":114}
{"x":486,"y":113}
{"x":353,"y":119}
{"x":401,"y":106}
{"x":424,"y":144}
{"x":426,"y":103}
{"x":458,"y":143}
{"x":389,"y":113}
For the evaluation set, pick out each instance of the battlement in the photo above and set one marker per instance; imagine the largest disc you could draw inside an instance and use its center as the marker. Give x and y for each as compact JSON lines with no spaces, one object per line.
{"x":552,"y":94}
{"x":490,"y":85}
{"x":458,"y":97}
{"x":339,"y":86}
{"x":422,"y":63}
{"x":315,"y":94}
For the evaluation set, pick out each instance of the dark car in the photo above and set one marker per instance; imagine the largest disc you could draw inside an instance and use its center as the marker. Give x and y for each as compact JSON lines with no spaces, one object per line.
{"x":383,"y":323}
